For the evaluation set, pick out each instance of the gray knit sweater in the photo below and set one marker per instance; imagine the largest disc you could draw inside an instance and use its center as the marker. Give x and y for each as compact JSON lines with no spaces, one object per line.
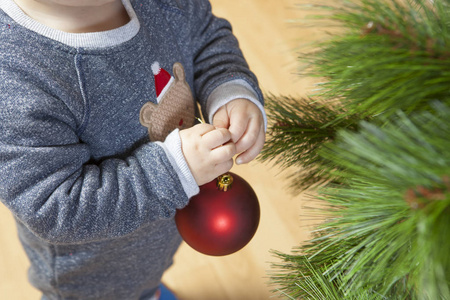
{"x":93,"y":197}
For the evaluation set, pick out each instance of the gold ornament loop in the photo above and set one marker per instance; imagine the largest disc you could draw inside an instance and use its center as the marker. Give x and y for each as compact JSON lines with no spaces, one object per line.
{"x":224,"y":182}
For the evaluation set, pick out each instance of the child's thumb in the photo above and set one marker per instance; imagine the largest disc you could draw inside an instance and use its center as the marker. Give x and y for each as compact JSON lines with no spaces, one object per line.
{"x":221,"y":119}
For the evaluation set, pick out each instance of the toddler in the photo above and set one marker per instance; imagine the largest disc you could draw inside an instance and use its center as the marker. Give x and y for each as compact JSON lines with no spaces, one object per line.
{"x":98,"y":142}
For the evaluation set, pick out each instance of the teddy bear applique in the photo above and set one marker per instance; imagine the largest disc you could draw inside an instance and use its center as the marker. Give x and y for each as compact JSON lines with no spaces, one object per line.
{"x":175,"y":104}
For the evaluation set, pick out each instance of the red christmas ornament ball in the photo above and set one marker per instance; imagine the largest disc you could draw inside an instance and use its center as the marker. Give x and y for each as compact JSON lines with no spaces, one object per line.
{"x":222,"y":218}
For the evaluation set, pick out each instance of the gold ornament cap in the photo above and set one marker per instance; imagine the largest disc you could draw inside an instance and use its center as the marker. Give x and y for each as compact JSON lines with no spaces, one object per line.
{"x":224,"y":182}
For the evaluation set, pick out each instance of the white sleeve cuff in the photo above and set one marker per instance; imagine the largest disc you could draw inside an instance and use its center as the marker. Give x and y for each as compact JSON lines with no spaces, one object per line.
{"x":172,"y":148}
{"x":231,"y":90}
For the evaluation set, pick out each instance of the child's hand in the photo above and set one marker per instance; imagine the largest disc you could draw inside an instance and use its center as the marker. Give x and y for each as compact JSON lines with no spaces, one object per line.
{"x":246,"y":124}
{"x":208,"y":151}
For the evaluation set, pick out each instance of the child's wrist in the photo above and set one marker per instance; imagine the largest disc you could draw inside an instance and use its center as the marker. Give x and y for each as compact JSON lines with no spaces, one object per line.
{"x":174,"y":152}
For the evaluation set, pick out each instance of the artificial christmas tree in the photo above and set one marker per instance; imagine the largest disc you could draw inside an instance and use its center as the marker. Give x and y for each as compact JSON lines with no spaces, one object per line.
{"x":374,"y":145}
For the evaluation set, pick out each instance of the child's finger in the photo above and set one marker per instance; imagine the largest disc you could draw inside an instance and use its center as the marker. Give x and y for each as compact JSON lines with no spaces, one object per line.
{"x":223,"y":167}
{"x":238,"y":125}
{"x":201,"y":129}
{"x":223,"y":153}
{"x":216,"y":138}
{"x":248,"y":139}
{"x":253,"y":151}
{"x":221,"y":119}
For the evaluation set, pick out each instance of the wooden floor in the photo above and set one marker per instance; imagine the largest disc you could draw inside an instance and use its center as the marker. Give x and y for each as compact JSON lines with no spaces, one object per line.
{"x":269,"y":42}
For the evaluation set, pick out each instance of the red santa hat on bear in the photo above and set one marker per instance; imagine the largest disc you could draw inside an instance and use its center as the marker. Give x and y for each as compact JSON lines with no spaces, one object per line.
{"x":163,"y":80}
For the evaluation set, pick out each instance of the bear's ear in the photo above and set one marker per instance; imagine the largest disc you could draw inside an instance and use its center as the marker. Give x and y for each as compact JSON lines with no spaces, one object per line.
{"x":178,"y":72}
{"x":145,"y":114}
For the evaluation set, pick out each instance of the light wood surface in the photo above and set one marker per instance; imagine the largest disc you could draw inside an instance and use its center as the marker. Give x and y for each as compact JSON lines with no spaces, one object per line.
{"x":269,"y":41}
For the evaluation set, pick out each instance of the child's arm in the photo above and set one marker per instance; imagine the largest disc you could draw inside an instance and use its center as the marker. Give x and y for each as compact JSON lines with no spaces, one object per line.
{"x":51,"y":183}
{"x":221,"y":72}
{"x":225,"y":87}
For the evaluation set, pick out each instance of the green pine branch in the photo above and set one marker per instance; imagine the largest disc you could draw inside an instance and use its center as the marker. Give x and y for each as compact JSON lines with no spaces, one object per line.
{"x":388,"y":219}
{"x":314,"y":284}
{"x":298,"y":129}
{"x":393,"y":55}
{"x":377,"y":133}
